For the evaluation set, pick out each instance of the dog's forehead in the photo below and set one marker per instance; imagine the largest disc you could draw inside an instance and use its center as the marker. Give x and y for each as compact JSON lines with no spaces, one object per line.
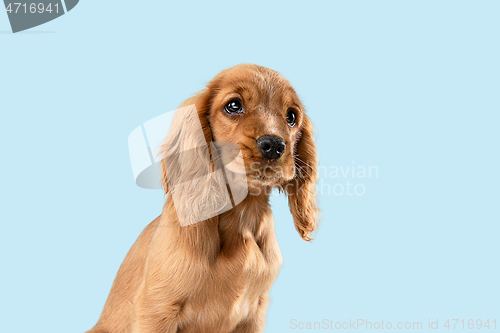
{"x":266,"y":80}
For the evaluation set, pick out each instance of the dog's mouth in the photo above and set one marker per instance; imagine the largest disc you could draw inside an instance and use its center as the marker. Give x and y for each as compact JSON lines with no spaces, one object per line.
{"x":269,"y":174}
{"x":258,"y":170}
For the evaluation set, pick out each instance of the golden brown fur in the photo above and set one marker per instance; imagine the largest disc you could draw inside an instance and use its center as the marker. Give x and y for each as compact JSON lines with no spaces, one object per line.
{"x":215,"y":275}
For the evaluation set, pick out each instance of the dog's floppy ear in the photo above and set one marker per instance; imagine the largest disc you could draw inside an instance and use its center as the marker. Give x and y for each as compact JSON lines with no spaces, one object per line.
{"x":197,"y":191}
{"x":184,"y":131}
{"x":301,"y":190}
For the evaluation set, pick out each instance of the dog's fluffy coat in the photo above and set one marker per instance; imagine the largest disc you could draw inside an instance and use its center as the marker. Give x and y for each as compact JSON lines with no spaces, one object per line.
{"x":215,"y":275}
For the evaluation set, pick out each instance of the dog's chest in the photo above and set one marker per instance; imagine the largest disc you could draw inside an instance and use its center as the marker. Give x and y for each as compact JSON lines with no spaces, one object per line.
{"x":238,"y":283}
{"x":256,"y":267}
{"x":258,"y":272}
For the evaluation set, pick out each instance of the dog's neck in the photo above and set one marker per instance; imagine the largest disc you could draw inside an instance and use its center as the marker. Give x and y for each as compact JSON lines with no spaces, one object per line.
{"x":250,"y":220}
{"x":247,"y":216}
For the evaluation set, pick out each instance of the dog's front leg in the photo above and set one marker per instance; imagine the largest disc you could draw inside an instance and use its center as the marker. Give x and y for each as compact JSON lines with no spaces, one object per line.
{"x":154,"y":316}
{"x":149,"y":323}
{"x":256,"y":321}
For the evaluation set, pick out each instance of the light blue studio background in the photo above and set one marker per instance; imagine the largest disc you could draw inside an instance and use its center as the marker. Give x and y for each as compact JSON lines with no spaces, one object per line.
{"x":412,"y":88}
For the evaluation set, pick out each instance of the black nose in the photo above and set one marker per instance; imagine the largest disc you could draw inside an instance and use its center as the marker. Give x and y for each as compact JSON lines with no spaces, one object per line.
{"x":272,"y":147}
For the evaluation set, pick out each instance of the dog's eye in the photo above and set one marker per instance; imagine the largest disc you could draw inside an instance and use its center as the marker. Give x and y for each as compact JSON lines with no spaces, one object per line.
{"x":234,"y":106}
{"x":291,"y":117}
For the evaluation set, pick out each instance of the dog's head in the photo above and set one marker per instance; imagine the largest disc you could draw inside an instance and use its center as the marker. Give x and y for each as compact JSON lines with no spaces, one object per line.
{"x":258,"y":110}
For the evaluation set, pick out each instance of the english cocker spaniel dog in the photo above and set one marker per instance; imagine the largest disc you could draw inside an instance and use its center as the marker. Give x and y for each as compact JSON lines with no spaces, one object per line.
{"x":199,"y":268}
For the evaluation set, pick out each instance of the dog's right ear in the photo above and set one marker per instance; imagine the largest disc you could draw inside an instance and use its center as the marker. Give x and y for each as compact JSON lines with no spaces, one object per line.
{"x":187,"y":169}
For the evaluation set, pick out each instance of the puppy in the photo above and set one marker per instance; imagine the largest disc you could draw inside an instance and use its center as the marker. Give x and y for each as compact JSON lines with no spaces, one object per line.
{"x":214,"y":275}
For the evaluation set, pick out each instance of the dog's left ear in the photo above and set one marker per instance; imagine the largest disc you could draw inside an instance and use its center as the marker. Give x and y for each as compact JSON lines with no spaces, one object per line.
{"x":301,"y":190}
